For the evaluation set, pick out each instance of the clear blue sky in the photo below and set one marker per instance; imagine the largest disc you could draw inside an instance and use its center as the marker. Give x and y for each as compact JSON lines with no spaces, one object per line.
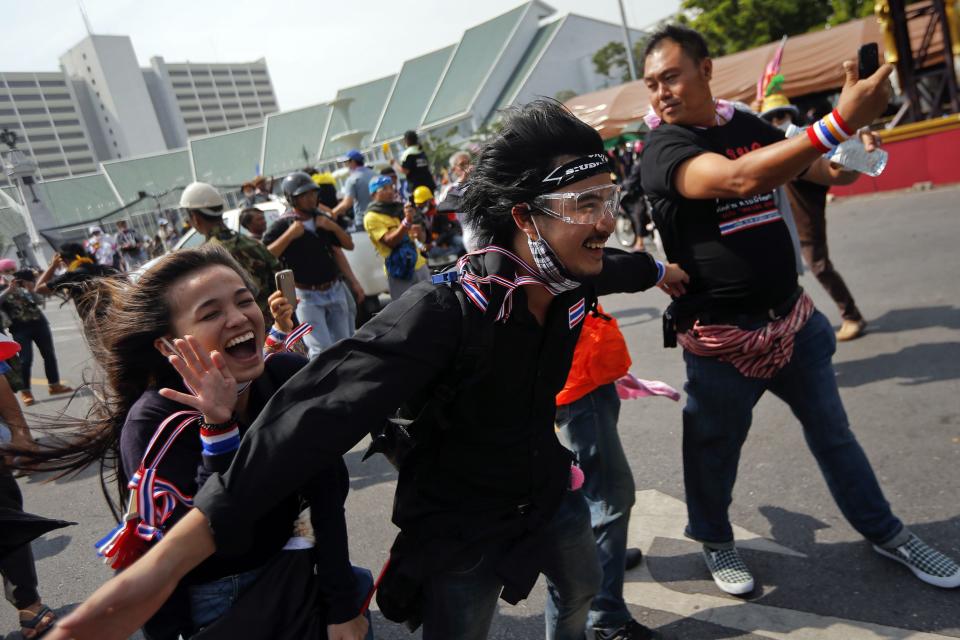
{"x":312,"y":47}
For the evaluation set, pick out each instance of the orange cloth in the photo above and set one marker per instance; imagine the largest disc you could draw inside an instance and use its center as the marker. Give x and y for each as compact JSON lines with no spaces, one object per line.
{"x":601,"y":357}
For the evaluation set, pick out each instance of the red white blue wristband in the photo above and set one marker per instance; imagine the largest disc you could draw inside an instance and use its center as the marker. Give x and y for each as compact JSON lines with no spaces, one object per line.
{"x":661,"y":272}
{"x":829,"y":132}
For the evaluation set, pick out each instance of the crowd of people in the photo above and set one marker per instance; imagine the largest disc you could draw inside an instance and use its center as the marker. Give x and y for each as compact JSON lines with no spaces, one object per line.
{"x":492,"y":384}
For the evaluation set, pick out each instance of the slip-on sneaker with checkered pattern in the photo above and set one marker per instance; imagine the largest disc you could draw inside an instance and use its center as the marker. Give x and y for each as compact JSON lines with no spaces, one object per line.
{"x":728,"y":570}
{"x":927,"y":563}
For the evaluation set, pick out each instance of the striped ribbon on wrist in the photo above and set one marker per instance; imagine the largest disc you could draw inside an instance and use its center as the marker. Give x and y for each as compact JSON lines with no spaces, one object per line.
{"x":221,"y":438}
{"x":829,"y":132}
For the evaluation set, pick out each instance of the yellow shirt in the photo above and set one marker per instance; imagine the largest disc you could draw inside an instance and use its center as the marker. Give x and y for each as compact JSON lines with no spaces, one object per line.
{"x":378,"y":225}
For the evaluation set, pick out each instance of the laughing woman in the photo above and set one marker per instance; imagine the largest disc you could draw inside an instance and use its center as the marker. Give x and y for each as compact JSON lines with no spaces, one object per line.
{"x":182,"y":350}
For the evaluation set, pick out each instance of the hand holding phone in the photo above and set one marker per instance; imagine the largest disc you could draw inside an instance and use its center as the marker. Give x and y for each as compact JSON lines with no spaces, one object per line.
{"x":286,"y":286}
{"x":868,"y":60}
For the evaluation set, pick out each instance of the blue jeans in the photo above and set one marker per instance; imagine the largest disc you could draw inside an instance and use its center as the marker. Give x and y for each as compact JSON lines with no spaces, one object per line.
{"x":459,"y":604}
{"x":588,"y":426}
{"x":211,"y":600}
{"x":717,"y":418}
{"x":329,"y":314}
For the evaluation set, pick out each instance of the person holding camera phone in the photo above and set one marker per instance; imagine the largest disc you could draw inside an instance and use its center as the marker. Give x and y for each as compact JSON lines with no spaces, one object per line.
{"x":29,"y":326}
{"x":393,"y":226}
{"x":311,"y":243}
{"x":745,"y":324}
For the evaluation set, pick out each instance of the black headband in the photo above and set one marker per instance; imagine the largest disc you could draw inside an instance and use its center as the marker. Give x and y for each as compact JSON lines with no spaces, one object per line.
{"x":575,"y":170}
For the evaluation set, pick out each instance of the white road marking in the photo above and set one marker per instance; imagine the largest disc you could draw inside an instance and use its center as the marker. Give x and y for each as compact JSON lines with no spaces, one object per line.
{"x":658,"y":515}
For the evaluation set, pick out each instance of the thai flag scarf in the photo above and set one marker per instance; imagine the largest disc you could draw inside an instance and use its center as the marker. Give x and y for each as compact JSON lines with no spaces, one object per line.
{"x":479,"y":270}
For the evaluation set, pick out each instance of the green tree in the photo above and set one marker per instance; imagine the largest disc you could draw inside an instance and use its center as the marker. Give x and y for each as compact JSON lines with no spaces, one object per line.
{"x":439,"y":149}
{"x":564,"y":94}
{"x":610,"y":61}
{"x":730,"y":26}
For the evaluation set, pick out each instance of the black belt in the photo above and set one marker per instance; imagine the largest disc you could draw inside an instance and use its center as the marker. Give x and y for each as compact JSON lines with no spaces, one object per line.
{"x":675,"y":321}
{"x":766,"y":315}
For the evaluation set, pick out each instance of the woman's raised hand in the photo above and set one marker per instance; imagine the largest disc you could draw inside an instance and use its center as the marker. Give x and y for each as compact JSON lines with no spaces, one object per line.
{"x":206,"y":374}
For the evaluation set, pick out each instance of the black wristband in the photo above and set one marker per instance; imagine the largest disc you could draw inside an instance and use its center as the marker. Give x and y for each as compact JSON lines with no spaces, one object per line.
{"x":219,"y":426}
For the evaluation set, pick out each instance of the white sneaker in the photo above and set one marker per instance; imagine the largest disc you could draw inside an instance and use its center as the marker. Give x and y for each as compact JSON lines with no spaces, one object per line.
{"x":927,"y":563}
{"x":728,"y":570}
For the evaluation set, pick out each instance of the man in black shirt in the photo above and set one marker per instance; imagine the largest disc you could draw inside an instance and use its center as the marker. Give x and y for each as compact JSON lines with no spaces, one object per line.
{"x":414,"y":164}
{"x":478,"y":502}
{"x":745,"y":325}
{"x":310,"y":243}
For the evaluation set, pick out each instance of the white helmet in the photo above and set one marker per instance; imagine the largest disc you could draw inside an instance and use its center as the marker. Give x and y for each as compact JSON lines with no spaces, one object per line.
{"x":204,"y":198}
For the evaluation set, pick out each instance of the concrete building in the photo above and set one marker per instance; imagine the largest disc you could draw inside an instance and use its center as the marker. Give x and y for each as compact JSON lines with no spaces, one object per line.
{"x":209,"y":98}
{"x":42,"y":110}
{"x":113,"y":97}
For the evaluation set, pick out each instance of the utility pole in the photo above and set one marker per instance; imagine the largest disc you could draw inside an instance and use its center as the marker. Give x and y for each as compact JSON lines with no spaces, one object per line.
{"x":626,"y":41}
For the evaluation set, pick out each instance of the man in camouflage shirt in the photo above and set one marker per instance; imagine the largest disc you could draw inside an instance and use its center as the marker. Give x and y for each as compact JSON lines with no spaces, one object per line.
{"x":204,"y":208}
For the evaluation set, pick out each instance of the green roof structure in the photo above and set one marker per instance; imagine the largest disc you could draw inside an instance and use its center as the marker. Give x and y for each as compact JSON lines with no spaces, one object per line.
{"x":415,"y":86}
{"x":356,"y":112}
{"x":531,"y":57}
{"x":475,"y":57}
{"x":227,"y":159}
{"x":78,"y":199}
{"x":292,"y":139}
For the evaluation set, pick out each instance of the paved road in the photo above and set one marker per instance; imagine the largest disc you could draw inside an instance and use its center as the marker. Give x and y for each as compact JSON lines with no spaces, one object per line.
{"x":817,"y":578}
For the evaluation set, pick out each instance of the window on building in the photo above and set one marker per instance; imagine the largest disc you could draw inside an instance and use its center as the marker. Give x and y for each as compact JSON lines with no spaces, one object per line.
{"x":74,"y":147}
{"x":245,"y":94}
{"x":189,"y":107}
{"x":111,"y":131}
{"x":24,"y":97}
{"x":70,"y":135}
{"x":177,"y":73}
{"x":61,"y":110}
{"x":217,"y":129}
{"x":224,"y":83}
{"x":55,"y":175}
{"x":207,"y":96}
{"x":37,"y":125}
{"x":262,"y":83}
{"x":181,"y":85}
{"x":89,"y":70}
{"x":67,"y":123}
{"x":204,"y":83}
{"x":49,"y":164}
{"x":42,"y":137}
{"x":114,"y":144}
{"x":250,"y":105}
{"x":197,"y":131}
{"x":220,"y":72}
{"x":231,"y":105}
{"x":31,"y":111}
{"x":268,"y":103}
{"x":93,"y":81}
{"x":52,"y":83}
{"x":193,"y":120}
{"x":4,"y":97}
{"x":14,"y":84}
{"x":57,"y":96}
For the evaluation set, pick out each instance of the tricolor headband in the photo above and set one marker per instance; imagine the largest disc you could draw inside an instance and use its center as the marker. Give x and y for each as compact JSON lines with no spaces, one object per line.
{"x":574,"y":171}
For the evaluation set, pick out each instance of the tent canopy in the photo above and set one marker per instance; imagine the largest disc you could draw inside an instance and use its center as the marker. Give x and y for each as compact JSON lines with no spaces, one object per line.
{"x":811,"y":64}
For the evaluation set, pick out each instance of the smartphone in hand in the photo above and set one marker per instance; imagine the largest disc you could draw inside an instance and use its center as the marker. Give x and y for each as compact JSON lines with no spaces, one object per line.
{"x":285,"y":285}
{"x":868,"y":60}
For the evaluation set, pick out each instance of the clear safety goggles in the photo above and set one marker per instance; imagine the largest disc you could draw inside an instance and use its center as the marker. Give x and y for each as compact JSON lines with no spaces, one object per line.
{"x":582,"y":207}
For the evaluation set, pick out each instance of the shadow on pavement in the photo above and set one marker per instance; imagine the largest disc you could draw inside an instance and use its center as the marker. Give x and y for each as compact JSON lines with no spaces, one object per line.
{"x":642,"y":315}
{"x":917,"y":318}
{"x":373,"y":471}
{"x":918,"y":364}
{"x":47,"y":548}
{"x":843,"y":580}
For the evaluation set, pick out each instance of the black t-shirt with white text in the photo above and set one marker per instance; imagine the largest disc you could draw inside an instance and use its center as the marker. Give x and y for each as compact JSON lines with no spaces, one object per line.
{"x":737,"y":251}
{"x":418,"y":169}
